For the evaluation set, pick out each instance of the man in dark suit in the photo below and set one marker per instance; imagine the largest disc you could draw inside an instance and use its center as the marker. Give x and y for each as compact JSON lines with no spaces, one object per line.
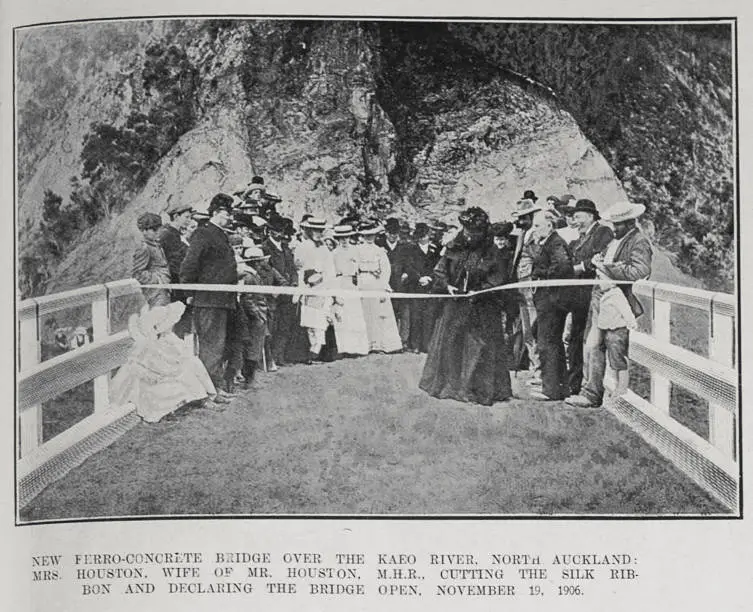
{"x":552,"y":260}
{"x":418,"y":260}
{"x":628,"y":257}
{"x":175,"y":248}
{"x":593,"y":239}
{"x":283,"y":317}
{"x":210,"y":260}
{"x":396,"y":253}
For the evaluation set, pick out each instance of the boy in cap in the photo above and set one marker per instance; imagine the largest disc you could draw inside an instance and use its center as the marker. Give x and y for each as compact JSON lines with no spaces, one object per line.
{"x":149,"y":261}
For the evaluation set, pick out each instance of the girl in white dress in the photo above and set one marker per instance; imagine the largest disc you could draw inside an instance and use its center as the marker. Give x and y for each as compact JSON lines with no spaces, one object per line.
{"x":374,"y":274}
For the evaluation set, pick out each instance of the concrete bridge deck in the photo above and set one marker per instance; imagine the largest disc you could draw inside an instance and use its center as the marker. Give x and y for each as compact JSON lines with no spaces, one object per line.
{"x":357,"y":436}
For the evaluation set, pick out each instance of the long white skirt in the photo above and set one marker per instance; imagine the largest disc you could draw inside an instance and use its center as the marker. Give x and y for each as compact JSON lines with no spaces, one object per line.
{"x":381,"y":327}
{"x":350,"y":327}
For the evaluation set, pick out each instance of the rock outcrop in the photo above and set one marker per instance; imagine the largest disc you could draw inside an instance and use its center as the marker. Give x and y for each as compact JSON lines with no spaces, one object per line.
{"x":415,"y":120}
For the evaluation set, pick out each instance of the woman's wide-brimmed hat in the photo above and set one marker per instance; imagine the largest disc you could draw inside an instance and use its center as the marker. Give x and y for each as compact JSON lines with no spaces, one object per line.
{"x":624,"y":211}
{"x":370,"y":228}
{"x":342,"y":231}
{"x":314,"y":223}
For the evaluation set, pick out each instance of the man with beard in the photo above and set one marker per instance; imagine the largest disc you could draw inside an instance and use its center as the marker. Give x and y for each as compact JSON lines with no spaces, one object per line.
{"x":283,"y":315}
{"x":211,"y":260}
{"x":551,"y":261}
{"x":627,"y":258}
{"x":593,"y":239}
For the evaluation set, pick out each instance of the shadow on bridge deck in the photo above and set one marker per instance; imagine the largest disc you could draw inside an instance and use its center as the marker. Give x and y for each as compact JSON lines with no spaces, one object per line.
{"x":357,"y":436}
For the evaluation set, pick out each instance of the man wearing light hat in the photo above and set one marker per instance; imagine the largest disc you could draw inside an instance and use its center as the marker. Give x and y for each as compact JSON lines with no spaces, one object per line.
{"x":521,"y":269}
{"x":627,"y":258}
{"x":316,"y":270}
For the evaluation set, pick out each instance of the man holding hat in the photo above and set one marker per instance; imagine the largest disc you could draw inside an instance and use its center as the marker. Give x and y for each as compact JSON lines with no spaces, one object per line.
{"x":627,"y":258}
{"x":149,"y":262}
{"x":210,"y":260}
{"x":593,"y":239}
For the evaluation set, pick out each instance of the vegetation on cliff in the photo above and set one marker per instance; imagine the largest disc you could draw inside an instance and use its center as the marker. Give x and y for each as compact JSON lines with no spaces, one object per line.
{"x":361,"y":113}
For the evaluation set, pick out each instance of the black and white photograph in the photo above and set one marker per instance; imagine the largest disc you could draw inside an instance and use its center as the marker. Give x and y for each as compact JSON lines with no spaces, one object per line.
{"x":376,"y":267}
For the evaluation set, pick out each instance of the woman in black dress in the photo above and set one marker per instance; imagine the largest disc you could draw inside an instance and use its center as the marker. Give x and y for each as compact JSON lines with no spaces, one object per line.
{"x":467,"y":357}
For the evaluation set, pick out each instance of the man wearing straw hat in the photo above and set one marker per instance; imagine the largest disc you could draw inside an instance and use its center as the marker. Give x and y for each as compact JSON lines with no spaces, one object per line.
{"x":627,"y":258}
{"x":522,"y":266}
{"x":316,"y":270}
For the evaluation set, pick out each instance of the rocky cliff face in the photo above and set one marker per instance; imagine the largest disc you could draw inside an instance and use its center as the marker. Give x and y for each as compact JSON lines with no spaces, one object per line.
{"x":416,"y":120}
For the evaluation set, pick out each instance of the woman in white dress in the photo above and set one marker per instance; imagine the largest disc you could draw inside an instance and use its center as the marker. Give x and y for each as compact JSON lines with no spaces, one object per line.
{"x":350,"y":326}
{"x":374,"y":274}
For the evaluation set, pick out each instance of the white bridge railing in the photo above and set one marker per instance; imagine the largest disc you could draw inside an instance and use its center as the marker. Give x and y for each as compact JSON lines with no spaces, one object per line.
{"x":712,"y":463}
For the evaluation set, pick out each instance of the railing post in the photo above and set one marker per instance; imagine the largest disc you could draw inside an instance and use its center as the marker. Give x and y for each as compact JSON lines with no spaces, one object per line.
{"x":101,"y":329}
{"x":30,"y":354}
{"x":661,"y":386}
{"x":722,"y":350}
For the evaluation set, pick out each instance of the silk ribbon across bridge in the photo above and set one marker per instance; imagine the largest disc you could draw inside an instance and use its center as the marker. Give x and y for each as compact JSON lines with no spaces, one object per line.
{"x":710,"y":458}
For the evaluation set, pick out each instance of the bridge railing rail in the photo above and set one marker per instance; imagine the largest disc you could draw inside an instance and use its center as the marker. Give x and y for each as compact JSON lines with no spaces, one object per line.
{"x":712,"y":462}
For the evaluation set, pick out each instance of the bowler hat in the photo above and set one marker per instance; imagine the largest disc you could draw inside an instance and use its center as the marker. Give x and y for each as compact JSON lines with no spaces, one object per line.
{"x":584,"y":205}
{"x":528,"y":194}
{"x":392,"y":226}
{"x":219,"y":202}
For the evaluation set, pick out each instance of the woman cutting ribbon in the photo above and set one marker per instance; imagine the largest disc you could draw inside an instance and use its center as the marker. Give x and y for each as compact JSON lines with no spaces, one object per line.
{"x":467,"y":357}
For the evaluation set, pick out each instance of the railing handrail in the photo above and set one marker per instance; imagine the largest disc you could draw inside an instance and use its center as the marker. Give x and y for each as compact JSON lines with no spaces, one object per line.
{"x":678,"y":294}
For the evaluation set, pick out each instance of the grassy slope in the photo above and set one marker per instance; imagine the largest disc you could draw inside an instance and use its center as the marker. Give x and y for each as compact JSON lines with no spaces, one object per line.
{"x":358,"y":436}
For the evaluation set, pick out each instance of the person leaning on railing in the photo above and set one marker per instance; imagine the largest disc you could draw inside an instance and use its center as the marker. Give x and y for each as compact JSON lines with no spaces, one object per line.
{"x":149,"y":261}
{"x":627,"y":258}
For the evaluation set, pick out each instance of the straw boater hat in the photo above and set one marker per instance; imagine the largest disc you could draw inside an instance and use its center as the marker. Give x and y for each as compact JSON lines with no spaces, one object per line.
{"x":342,"y":231}
{"x":624,"y":211}
{"x":253,"y":253}
{"x":314,"y":223}
{"x":526,"y":207}
{"x":369,"y":228}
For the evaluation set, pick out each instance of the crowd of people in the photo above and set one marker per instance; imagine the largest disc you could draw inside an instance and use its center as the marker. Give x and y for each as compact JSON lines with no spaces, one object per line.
{"x":562,"y":334}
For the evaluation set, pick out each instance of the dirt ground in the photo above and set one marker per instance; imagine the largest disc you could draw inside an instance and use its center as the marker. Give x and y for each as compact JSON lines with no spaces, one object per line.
{"x":357,"y":436}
